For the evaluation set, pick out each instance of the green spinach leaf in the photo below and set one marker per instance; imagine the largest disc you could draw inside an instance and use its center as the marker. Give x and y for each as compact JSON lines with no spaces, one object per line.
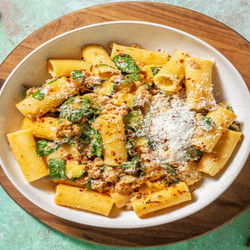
{"x":45,"y":147}
{"x":125,"y":63}
{"x":57,"y":169}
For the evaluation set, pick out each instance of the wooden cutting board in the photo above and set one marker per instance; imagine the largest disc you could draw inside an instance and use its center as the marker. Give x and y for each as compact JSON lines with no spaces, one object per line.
{"x":229,"y":205}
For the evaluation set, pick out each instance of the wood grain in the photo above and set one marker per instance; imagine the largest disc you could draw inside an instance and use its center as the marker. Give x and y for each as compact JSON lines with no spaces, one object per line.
{"x":229,"y":205}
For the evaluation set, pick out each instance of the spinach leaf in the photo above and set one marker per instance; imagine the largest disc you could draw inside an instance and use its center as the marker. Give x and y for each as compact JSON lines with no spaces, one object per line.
{"x":39,"y":94}
{"x":75,"y":110}
{"x":96,"y":143}
{"x":134,"y":77}
{"x":193,"y":154}
{"x":52,"y":81}
{"x":86,"y":134}
{"x":45,"y":147}
{"x":129,"y":147}
{"x":57,"y":169}
{"x":26,"y":88}
{"x":133,"y":119}
{"x":172,"y":177}
{"x":230,"y":108}
{"x":235,"y":126}
{"x":88,"y":186}
{"x":132,"y":167}
{"x":155,"y":70}
{"x":125,"y":63}
{"x":77,"y":74}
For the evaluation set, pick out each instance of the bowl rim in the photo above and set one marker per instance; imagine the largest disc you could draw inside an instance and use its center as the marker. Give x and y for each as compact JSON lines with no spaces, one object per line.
{"x":145,"y":224}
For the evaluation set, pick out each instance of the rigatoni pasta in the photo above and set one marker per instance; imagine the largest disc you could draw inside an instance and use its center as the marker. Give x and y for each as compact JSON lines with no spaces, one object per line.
{"x":172,"y":73}
{"x":97,"y":56}
{"x":212,"y":163}
{"x":141,"y":56}
{"x":23,"y":145}
{"x":198,"y":74}
{"x":133,"y":129}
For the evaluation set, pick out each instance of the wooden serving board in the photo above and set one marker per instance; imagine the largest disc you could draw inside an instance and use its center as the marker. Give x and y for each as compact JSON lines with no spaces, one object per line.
{"x":229,"y":205}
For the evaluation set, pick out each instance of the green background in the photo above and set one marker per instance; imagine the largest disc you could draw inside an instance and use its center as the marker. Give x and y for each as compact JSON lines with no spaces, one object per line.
{"x":18,"y":19}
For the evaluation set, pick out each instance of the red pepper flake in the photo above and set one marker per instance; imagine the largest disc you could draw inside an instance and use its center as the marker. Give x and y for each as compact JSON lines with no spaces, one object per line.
{"x":192,"y":80}
{"x":83,"y":119}
{"x":188,"y":78}
{"x":80,"y":190}
{"x":113,"y":153}
{"x":181,"y":61}
{"x":91,"y":67}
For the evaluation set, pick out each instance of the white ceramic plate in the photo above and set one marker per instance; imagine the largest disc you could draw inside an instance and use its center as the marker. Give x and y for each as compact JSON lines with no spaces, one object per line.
{"x":228,"y":85}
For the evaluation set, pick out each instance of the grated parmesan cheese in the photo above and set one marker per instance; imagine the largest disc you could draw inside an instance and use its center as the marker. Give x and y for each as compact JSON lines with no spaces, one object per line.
{"x":169,"y":126}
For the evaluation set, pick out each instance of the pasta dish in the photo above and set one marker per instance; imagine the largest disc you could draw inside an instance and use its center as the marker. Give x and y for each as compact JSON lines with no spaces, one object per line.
{"x":134,"y":129}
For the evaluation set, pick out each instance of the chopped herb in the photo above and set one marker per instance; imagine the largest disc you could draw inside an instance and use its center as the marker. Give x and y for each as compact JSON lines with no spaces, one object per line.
{"x":57,"y":169}
{"x":45,"y":147}
{"x":172,"y":177}
{"x":193,"y":154}
{"x":96,"y":143}
{"x":126,"y":64}
{"x":39,"y":94}
{"x":134,"y":77}
{"x":155,"y":70}
{"x":77,"y":74}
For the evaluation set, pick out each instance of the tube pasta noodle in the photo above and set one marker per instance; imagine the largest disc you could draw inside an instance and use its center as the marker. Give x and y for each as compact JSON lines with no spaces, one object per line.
{"x":22,"y":144}
{"x":222,"y":118}
{"x":81,"y":199}
{"x":133,"y":129}
{"x":140,"y":56}
{"x":199,"y":84}
{"x":99,"y":57}
{"x":172,"y":73}
{"x":54,"y":95}
{"x":64,"y":67}
{"x":45,"y":128}
{"x":113,"y":139}
{"x":161,"y":199}
{"x":212,"y":163}
{"x":119,"y":199}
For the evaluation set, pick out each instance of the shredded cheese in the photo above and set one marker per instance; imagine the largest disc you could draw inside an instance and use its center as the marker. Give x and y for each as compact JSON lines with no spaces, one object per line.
{"x":169,"y":127}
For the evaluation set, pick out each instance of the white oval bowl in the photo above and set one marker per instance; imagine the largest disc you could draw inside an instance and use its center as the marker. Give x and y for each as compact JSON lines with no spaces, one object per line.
{"x":228,"y":86}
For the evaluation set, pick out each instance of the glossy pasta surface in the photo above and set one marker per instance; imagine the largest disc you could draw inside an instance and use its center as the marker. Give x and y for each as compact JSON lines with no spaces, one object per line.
{"x":130,"y":127}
